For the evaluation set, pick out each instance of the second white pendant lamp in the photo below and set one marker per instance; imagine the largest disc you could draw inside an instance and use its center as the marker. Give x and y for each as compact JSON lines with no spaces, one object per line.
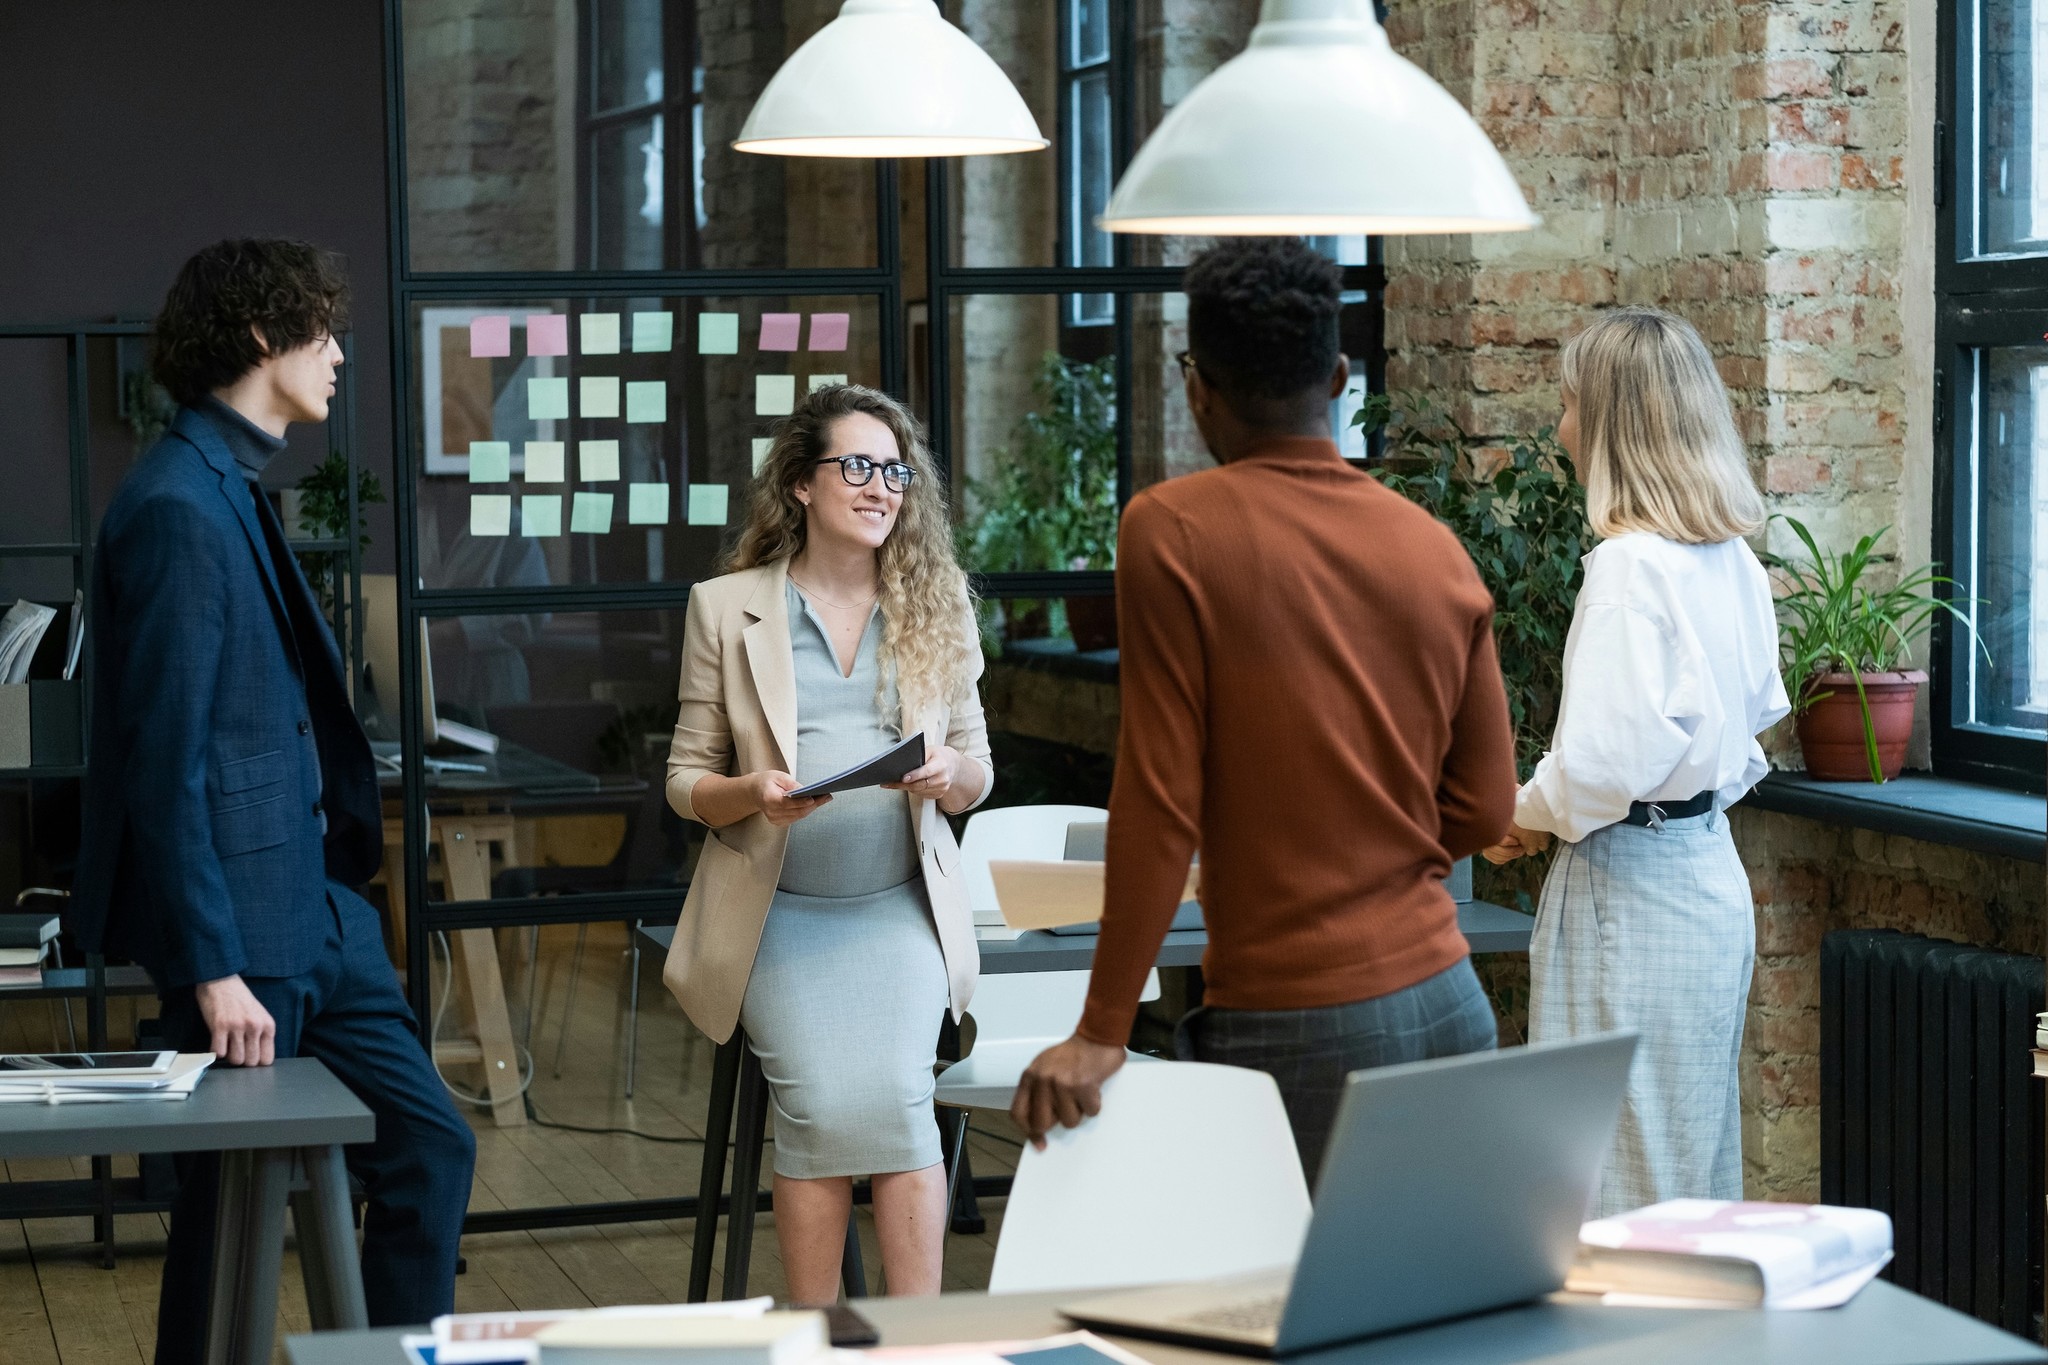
{"x":889,"y":78}
{"x":1317,"y":128}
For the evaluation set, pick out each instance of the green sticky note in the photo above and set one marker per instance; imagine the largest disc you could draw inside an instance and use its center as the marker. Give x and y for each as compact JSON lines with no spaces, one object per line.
{"x":490,"y":461}
{"x":774,"y":394}
{"x":718,"y":334}
{"x":707,"y":504}
{"x":599,"y":461}
{"x":547,"y":399}
{"x":819,"y":381}
{"x":598,"y":395}
{"x":647,"y":401}
{"x":654,"y":331}
{"x":600,"y":333}
{"x":592,"y":513}
{"x":545,"y":461}
{"x":647,"y":504}
{"x":761,"y":447}
{"x":490,"y":514}
{"x":540,"y":514}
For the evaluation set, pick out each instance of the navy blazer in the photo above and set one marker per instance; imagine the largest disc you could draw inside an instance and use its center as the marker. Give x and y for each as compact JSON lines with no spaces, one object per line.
{"x":214,"y":727}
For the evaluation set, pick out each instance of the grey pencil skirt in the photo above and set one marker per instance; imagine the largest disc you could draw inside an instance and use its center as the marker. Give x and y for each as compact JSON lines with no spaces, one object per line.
{"x":843,"y":1008}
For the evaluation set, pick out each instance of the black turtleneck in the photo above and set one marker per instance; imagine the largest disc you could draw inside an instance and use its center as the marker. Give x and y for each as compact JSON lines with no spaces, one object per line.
{"x":252,"y":446}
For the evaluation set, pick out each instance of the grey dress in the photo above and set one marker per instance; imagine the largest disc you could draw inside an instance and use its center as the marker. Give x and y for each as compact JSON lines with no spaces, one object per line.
{"x":849,"y":986}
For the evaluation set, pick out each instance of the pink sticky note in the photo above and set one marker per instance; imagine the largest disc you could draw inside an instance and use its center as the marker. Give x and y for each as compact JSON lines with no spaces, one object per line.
{"x":490,"y":336}
{"x":779,"y":331}
{"x":828,"y":331}
{"x":547,"y":334}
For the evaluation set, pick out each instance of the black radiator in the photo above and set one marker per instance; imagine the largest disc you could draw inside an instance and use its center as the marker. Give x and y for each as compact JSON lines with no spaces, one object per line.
{"x":1930,"y":1112}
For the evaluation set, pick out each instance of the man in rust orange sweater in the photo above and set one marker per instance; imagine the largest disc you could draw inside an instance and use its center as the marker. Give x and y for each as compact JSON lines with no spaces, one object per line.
{"x":1311,"y":699}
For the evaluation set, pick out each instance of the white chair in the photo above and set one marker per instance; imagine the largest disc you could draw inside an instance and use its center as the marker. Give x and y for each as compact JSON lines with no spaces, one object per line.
{"x":1189,"y":1172}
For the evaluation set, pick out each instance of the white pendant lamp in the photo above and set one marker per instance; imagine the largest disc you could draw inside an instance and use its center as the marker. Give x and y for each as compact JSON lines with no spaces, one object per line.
{"x":889,"y":78}
{"x":1317,"y":128}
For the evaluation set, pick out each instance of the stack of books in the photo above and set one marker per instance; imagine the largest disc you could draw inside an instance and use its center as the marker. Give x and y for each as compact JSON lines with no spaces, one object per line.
{"x":24,"y":939}
{"x":1731,"y":1254}
{"x":741,"y":1332}
{"x":99,"y":1077}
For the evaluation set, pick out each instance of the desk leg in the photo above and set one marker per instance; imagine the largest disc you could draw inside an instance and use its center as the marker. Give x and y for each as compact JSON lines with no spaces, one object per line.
{"x":327,"y":1244}
{"x":248,"y":1256}
{"x":467,"y":862}
{"x":725,"y":1071}
{"x":746,"y":1174}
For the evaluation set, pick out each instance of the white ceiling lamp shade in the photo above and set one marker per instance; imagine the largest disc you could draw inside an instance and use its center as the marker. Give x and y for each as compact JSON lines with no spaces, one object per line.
{"x":1317,"y":128}
{"x":889,"y":78}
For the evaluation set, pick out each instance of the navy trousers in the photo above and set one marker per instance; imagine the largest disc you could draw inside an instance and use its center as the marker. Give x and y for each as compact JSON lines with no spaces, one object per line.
{"x":349,"y":1013}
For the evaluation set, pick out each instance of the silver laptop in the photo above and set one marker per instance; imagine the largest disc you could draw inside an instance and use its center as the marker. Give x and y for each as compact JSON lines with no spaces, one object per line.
{"x":1448,"y":1187}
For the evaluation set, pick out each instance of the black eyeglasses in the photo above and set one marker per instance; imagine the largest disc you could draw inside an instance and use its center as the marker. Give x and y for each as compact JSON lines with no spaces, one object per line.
{"x":1186,"y":361}
{"x":859,"y":471}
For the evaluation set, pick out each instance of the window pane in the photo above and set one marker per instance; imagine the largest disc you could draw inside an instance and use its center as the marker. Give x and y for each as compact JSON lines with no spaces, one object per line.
{"x":1093,"y":171}
{"x":628,"y":38}
{"x":2012,"y":123}
{"x":2008,"y":690}
{"x":607,"y":440}
{"x":1091,"y":31}
{"x":626,"y":214}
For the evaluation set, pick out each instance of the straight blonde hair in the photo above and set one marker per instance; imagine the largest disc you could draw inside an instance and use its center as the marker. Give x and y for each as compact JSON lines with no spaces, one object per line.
{"x":1658,"y":450}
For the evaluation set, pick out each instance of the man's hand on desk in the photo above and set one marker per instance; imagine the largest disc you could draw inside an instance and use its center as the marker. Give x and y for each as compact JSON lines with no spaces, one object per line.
{"x":244,"y":1034}
{"x":1063,"y":1085}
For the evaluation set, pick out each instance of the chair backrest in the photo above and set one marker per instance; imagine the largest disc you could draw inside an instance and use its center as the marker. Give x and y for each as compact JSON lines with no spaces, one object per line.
{"x":1033,"y":1006}
{"x":1029,"y":833}
{"x":1189,"y":1172}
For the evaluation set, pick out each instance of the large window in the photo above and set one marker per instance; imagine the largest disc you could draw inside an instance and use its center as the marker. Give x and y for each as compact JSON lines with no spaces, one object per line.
{"x":1991,"y":679}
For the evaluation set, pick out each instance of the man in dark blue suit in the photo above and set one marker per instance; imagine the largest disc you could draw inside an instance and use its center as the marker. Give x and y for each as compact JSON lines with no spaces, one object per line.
{"x":231,"y":798}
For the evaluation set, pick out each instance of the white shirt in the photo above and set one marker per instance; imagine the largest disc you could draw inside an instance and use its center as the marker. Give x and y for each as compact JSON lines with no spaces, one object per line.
{"x":1670,"y":673}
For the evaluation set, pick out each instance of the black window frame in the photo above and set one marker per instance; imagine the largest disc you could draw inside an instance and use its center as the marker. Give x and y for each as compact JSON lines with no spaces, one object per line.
{"x":677,"y":108}
{"x":1981,"y":303}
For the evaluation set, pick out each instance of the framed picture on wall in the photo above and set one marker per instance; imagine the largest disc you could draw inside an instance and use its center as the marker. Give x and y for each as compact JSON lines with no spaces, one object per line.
{"x":466,"y":397}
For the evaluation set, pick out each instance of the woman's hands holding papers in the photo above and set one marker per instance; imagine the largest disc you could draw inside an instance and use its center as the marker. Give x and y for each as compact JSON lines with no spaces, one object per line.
{"x":946,"y":773}
{"x":771,"y":792}
{"x":1063,"y":1085}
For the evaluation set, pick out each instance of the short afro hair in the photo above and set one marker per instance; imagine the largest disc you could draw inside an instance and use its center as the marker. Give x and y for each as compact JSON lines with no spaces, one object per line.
{"x":291,"y":292}
{"x":1262,"y":316}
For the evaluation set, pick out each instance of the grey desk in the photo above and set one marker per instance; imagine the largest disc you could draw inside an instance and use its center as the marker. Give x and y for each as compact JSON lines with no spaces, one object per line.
{"x":264,"y":1121}
{"x":1883,"y":1325}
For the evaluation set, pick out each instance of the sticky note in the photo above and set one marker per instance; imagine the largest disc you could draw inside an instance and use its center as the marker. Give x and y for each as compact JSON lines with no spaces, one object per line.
{"x":707,"y":504}
{"x":761,"y":447}
{"x":490,"y":461}
{"x":600,"y":333}
{"x":547,"y":398}
{"x":647,"y":504}
{"x":819,"y":381}
{"x":779,"y":331}
{"x":774,"y":394}
{"x":828,"y":331}
{"x":654,"y":331}
{"x":540,"y":514}
{"x":598,"y":395}
{"x":490,"y":514}
{"x":718,"y":334}
{"x":547,"y":334}
{"x":598,"y":460}
{"x":592,"y":513}
{"x":647,"y":401}
{"x":490,"y":336}
{"x":545,"y":462}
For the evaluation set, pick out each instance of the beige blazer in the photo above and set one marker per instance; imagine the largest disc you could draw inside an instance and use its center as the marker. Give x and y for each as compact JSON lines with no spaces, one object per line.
{"x":738,"y":693}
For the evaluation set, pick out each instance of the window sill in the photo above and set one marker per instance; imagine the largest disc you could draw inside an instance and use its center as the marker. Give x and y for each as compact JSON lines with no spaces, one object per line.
{"x":1060,"y":657}
{"x":1938,"y":810}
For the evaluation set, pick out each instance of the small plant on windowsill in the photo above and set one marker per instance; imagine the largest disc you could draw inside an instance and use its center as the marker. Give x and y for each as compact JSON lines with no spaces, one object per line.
{"x":1845,"y":655}
{"x":323,"y":515}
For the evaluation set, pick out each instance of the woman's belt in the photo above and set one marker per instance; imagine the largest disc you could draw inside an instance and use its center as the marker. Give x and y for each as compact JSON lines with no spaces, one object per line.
{"x":1639,"y":812}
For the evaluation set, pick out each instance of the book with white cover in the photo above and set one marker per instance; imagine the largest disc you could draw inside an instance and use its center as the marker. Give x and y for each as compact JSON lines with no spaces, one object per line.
{"x":1758,"y":1254}
{"x":511,"y":1338}
{"x":787,"y":1338}
{"x":21,"y":630}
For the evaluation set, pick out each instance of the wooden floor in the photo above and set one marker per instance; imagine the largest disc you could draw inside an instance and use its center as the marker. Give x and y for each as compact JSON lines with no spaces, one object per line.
{"x":57,"y":1305}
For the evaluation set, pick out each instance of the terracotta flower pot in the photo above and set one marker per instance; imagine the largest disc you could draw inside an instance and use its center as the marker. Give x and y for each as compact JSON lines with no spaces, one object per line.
{"x":1092,"y":622}
{"x":1831,"y":727}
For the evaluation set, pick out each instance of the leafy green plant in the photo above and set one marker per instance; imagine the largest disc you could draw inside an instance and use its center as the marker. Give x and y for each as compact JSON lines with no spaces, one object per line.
{"x":323,"y":513}
{"x":1521,"y":516}
{"x":1051,"y":503}
{"x":148,"y":408}
{"x":1831,"y":621}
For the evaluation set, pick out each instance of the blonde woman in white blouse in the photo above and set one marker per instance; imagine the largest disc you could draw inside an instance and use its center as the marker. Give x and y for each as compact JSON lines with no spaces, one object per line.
{"x":1670,"y":673}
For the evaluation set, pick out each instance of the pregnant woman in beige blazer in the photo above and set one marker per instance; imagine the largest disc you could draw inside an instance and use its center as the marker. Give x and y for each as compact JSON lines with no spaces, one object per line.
{"x":835,"y":930}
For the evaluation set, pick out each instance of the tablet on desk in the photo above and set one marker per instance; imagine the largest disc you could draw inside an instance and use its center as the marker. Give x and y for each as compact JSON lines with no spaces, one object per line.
{"x":98,"y":1063}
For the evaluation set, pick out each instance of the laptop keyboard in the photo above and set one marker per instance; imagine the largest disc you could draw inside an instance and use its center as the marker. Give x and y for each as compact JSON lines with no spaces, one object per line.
{"x":1246,"y":1315}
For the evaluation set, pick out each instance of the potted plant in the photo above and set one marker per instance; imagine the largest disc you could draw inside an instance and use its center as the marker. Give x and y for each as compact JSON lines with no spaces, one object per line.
{"x":1845,"y":646}
{"x":1051,"y":503}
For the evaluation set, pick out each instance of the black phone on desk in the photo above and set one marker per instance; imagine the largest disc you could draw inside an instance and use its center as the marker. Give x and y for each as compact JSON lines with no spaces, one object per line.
{"x":845,"y":1327}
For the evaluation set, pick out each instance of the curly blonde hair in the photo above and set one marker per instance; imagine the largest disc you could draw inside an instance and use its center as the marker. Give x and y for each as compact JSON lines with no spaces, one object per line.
{"x":929,"y":643}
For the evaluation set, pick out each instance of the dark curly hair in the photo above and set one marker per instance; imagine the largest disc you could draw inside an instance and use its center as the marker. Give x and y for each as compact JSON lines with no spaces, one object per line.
{"x":291,"y":292}
{"x":1262,"y":316}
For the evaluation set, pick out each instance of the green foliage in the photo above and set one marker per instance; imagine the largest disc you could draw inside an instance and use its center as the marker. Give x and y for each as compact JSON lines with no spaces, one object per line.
{"x":1524,"y":524}
{"x":1831,"y":621}
{"x":149,"y":408}
{"x":323,"y":514}
{"x":1051,"y":503}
